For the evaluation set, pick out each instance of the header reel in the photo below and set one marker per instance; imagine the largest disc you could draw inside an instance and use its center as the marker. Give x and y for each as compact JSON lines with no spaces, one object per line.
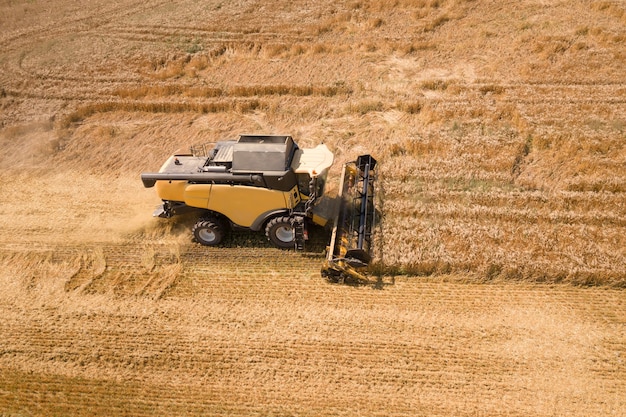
{"x":348,"y":255}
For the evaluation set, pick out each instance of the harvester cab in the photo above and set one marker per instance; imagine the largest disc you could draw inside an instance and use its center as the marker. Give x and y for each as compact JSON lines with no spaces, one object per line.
{"x":268,"y":183}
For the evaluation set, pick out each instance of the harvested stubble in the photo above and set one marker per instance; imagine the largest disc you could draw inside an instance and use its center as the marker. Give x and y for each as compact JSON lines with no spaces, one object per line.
{"x":240,"y":341}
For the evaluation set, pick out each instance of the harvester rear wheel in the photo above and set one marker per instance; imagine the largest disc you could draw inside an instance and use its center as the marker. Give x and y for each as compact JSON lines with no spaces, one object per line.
{"x":208,"y":232}
{"x":280,"y":232}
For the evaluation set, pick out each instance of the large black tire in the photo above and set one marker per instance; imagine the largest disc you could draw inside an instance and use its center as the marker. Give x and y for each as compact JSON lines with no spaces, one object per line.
{"x":208,"y":232}
{"x":280,"y":232}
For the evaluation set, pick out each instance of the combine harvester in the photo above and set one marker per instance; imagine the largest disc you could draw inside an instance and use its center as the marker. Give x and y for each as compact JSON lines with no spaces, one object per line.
{"x":268,"y":183}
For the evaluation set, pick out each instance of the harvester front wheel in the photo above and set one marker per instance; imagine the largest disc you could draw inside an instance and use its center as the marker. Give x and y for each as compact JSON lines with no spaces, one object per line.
{"x":208,"y":232}
{"x":280,"y":232}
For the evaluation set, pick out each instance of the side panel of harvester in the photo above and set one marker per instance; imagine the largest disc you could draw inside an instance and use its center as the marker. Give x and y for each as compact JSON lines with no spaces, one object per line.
{"x":249,"y":206}
{"x":244,"y":206}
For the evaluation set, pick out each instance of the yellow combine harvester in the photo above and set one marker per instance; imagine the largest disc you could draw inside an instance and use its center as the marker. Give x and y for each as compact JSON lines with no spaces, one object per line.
{"x":268,"y":183}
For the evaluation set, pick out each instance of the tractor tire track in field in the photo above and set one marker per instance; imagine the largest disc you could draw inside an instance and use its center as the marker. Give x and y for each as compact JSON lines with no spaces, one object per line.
{"x":46,"y":82}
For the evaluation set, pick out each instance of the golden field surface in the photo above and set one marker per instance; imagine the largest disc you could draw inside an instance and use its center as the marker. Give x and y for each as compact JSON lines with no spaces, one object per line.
{"x":500,"y":252}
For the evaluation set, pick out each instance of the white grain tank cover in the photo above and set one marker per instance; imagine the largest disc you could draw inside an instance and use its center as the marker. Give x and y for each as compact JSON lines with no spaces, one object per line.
{"x":314,"y":161}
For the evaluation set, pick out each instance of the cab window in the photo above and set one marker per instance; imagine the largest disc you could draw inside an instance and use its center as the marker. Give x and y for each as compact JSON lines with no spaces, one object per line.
{"x":303,"y":184}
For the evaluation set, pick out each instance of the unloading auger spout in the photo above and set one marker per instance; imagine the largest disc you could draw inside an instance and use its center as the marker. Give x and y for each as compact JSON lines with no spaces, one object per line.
{"x":348,"y":255}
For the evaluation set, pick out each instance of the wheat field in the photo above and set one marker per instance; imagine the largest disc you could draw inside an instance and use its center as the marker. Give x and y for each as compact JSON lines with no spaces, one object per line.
{"x":500,"y":253}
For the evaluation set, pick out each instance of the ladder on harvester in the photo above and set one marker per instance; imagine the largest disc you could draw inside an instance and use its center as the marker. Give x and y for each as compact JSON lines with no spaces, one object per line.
{"x":348,"y":254}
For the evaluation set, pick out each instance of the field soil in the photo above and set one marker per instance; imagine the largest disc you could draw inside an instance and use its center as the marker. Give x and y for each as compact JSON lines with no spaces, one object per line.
{"x":497,"y":287}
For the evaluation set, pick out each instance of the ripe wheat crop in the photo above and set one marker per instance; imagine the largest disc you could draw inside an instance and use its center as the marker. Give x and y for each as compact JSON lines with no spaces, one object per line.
{"x":499,"y":252}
